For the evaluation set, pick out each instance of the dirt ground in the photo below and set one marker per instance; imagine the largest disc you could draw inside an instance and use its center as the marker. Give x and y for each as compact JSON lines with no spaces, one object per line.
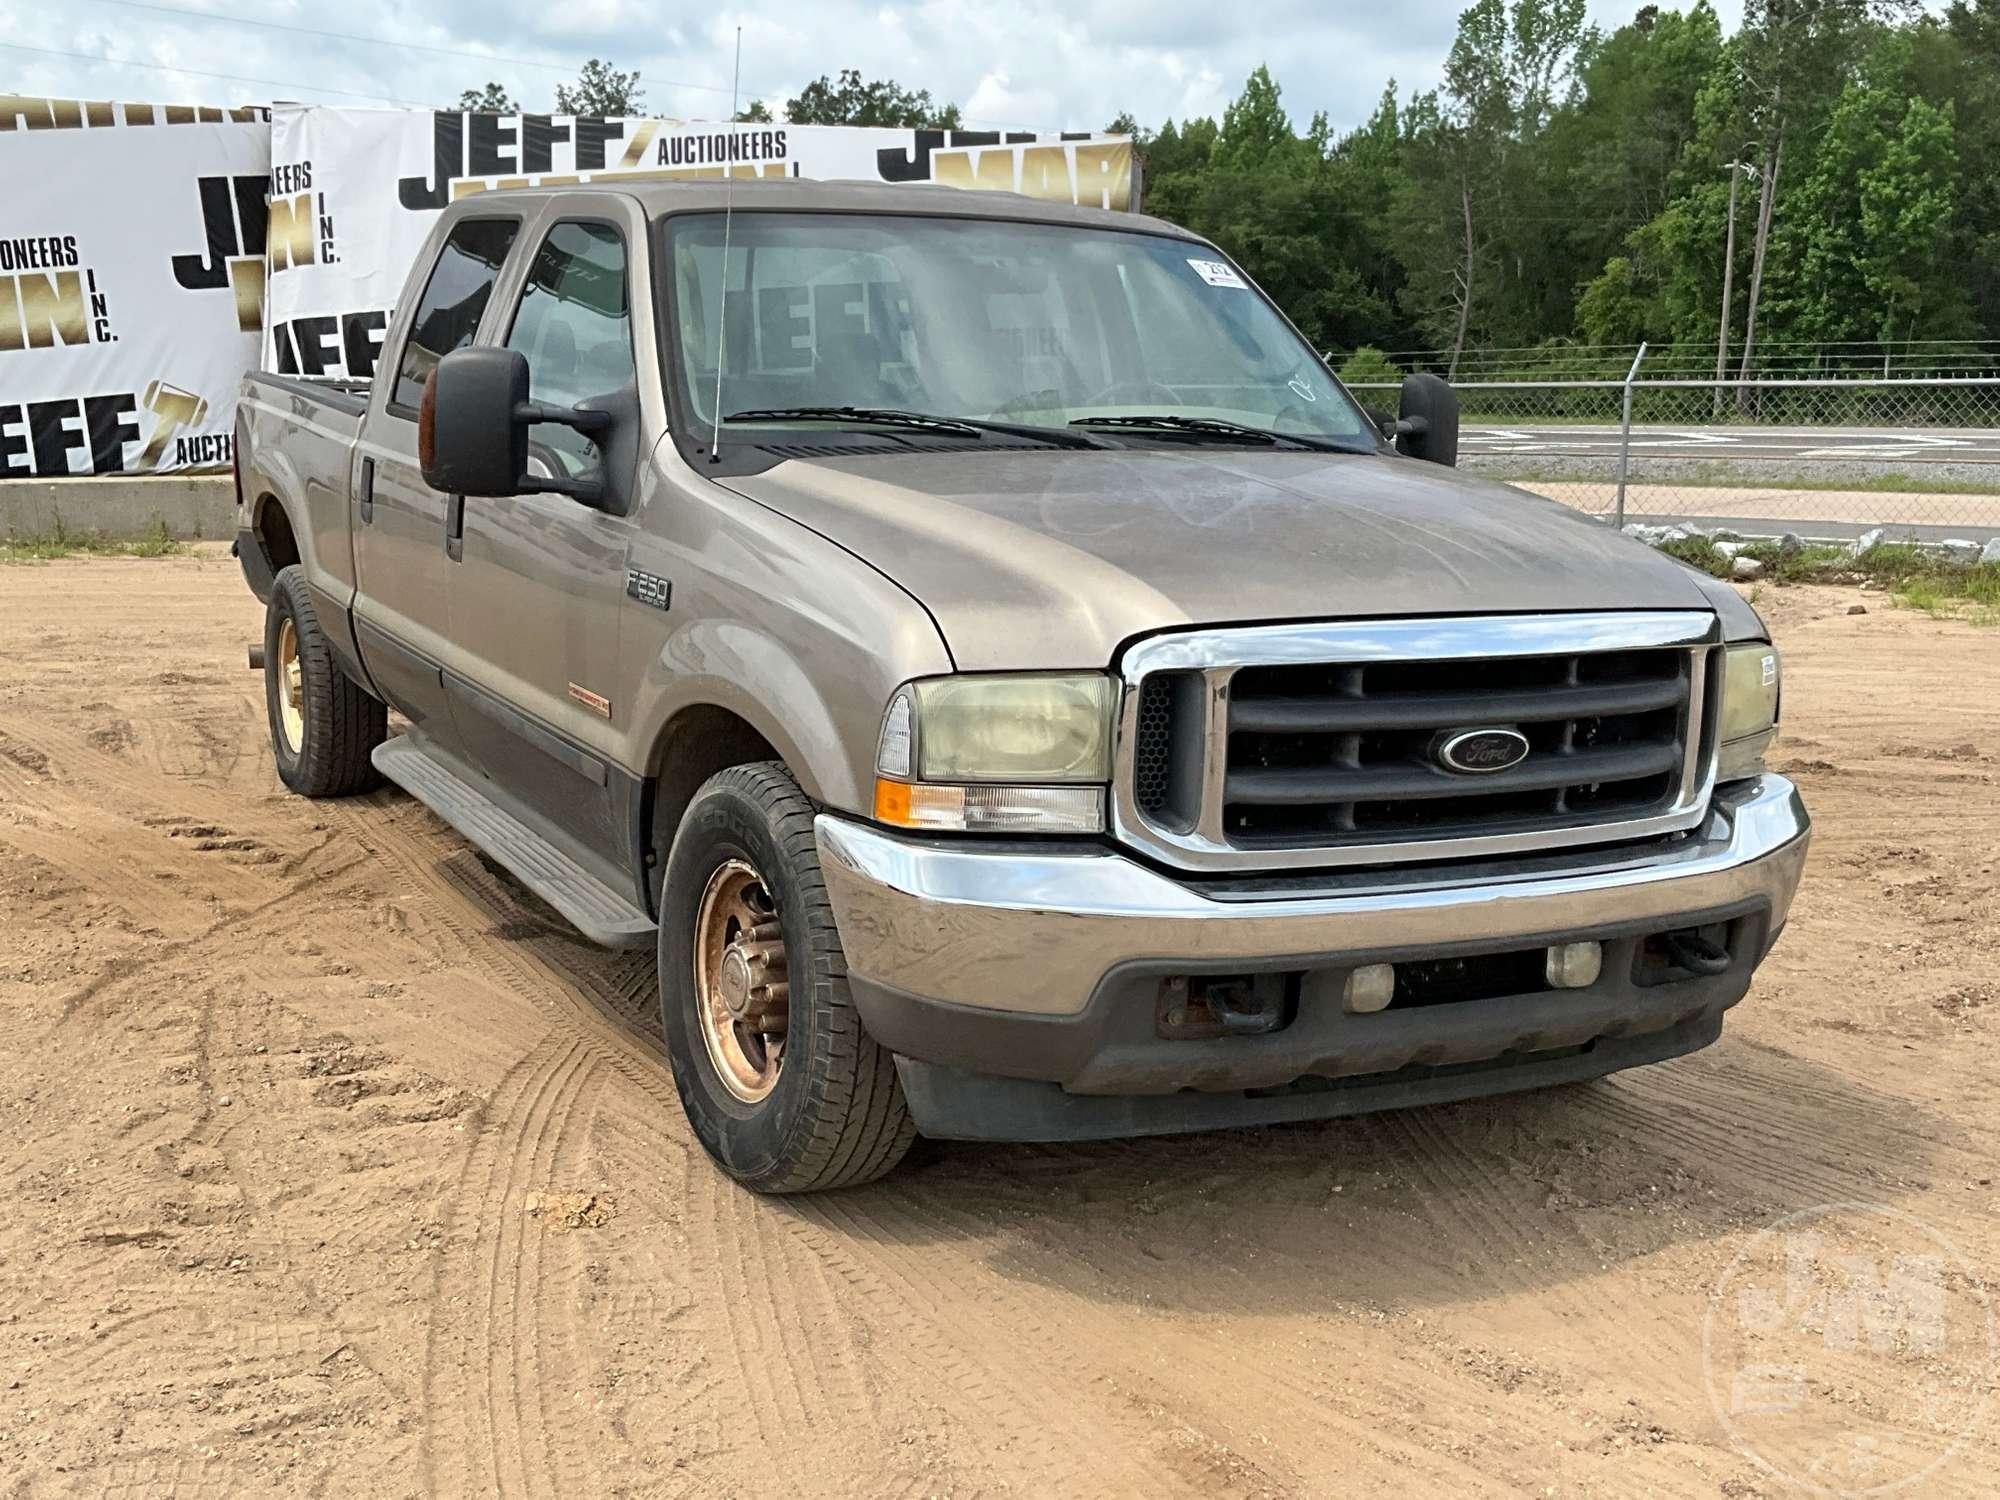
{"x":334,"y":1165}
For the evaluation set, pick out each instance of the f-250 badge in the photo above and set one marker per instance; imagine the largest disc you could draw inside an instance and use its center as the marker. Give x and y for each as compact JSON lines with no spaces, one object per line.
{"x":648,"y":588}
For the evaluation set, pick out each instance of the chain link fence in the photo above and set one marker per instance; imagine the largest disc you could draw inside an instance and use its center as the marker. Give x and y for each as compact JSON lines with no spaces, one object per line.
{"x":1822,"y":459}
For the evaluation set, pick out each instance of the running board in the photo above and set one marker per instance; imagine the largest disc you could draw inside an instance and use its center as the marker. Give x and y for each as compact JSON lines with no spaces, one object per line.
{"x":591,"y":906}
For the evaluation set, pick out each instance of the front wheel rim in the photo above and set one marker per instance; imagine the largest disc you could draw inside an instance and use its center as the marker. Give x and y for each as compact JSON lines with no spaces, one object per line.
{"x":291,"y":686}
{"x":742,"y":986}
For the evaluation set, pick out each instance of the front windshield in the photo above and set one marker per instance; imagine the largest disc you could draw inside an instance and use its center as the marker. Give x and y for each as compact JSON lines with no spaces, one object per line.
{"x":986,"y":320}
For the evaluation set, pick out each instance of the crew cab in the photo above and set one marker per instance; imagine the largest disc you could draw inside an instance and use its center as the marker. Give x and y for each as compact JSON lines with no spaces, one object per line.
{"x":1014,"y":688}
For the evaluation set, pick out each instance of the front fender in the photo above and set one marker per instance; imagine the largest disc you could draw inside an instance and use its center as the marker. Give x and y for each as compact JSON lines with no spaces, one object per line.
{"x":730,"y":665}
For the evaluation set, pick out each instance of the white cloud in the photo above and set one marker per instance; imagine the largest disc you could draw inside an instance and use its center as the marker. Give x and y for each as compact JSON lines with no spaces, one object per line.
{"x":1023,"y":63}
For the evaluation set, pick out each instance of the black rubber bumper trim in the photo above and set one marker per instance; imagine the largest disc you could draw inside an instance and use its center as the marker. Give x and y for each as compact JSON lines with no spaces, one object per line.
{"x":952,"y":1104}
{"x":256,"y":566}
{"x":1111,"y":1045}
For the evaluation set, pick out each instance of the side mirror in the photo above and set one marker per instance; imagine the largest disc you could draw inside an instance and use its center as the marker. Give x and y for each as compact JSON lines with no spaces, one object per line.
{"x":1427,"y":427}
{"x":472,"y":428}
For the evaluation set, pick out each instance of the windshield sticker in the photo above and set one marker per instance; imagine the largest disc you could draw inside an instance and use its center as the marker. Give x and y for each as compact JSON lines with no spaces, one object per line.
{"x":1303,"y":388}
{"x":1218,"y":273}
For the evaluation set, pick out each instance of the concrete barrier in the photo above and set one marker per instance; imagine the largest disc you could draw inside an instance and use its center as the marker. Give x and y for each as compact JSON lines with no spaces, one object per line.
{"x":120,"y":505}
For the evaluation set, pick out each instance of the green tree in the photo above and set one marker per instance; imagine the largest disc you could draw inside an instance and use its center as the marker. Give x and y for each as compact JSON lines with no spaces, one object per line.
{"x":1866,"y":235}
{"x":1613,"y":308}
{"x":601,"y":89}
{"x":1369,"y":366}
{"x":493,"y":99}
{"x":1830,"y":171}
{"x":851,"y":100}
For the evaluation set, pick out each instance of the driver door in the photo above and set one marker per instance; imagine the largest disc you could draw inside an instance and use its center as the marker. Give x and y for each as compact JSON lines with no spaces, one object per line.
{"x":541,"y":577}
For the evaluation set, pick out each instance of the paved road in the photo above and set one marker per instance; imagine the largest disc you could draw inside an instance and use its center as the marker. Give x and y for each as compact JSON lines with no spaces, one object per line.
{"x":1904,"y":445}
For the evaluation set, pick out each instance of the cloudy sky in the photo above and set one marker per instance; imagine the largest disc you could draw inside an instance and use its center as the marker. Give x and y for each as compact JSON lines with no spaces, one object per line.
{"x":1028,"y":64}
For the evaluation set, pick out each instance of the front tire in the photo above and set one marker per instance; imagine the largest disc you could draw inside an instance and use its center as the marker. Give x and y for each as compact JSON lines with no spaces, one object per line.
{"x":324,"y":725}
{"x":782,"y":1085}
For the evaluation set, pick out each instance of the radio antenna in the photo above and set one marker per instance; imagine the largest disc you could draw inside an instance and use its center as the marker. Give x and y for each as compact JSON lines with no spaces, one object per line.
{"x":722,"y":308}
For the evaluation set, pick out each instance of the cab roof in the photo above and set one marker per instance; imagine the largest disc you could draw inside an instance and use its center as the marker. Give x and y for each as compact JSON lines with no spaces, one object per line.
{"x":810,"y":195}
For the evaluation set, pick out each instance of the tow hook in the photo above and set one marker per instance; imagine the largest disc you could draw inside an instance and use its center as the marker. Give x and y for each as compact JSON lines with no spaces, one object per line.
{"x":1691,"y":951}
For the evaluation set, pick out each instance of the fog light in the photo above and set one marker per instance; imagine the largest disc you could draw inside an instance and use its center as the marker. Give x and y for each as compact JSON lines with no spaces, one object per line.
{"x":1575,"y":966}
{"x":1370,"y":987}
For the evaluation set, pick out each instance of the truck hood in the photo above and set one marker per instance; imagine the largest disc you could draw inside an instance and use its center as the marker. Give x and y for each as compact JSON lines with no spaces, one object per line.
{"x":1029,"y":559}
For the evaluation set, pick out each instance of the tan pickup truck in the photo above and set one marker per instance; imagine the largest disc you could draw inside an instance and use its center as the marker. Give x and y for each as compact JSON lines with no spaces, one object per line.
{"x":1017,"y":690}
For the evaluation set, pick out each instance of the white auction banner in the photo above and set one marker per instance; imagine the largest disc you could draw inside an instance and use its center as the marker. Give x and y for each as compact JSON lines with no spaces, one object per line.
{"x":354,"y":192}
{"x":131,"y":282}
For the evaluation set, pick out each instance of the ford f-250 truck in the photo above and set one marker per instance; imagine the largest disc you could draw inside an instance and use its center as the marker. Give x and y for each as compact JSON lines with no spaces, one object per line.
{"x":1017,"y":690}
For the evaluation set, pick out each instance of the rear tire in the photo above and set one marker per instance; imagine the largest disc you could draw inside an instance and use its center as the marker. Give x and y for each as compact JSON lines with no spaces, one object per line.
{"x":324,"y":725}
{"x":829,"y":1112}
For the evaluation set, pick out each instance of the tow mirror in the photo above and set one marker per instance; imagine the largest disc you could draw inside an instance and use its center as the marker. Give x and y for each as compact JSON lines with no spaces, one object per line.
{"x":1427,"y":425}
{"x":472,"y":428}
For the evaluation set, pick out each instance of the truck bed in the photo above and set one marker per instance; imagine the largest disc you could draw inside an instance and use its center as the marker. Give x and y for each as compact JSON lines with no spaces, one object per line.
{"x":316,"y":425}
{"x":334,"y":393}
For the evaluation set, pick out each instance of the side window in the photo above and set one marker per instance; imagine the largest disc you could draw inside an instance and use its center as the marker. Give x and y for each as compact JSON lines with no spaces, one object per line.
{"x":574,"y":325}
{"x":448,"y":313}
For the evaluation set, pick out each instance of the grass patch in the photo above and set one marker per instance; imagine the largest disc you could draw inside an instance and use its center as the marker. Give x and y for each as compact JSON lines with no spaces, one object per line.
{"x":1698,"y":552}
{"x":1914,"y":577}
{"x":1811,"y":565}
{"x":1928,"y":595}
{"x":62,"y":542}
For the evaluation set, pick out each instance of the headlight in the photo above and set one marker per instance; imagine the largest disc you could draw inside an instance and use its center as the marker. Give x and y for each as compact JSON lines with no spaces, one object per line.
{"x":1750,"y":683}
{"x":997,"y":754}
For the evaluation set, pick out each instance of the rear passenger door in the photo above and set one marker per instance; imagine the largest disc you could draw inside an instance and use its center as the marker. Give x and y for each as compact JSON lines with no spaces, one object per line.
{"x":541,"y":587}
{"x":402,"y":527}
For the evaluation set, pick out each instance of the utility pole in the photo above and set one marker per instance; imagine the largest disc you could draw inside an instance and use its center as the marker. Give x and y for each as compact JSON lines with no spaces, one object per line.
{"x":1764,"y":205}
{"x":1736,"y":171}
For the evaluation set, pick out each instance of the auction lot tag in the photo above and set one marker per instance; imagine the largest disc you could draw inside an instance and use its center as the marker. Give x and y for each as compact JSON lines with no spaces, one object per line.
{"x":1218,"y":273}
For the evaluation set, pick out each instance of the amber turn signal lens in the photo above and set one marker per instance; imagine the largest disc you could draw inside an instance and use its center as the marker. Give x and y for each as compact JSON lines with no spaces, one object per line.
{"x":892,"y":802}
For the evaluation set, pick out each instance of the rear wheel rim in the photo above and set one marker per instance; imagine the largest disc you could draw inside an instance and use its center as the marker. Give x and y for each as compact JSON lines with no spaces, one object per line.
{"x":291,"y":686}
{"x":742,"y":987}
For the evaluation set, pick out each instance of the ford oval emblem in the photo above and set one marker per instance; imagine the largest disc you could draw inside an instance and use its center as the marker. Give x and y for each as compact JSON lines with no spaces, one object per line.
{"x":1479,"y":752}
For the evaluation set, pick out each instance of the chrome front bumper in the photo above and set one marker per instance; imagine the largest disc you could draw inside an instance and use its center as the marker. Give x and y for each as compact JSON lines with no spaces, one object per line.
{"x":1034,"y":934}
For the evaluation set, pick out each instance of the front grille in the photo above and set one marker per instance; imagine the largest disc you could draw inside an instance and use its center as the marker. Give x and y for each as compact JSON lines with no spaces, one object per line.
{"x":1302,"y":745}
{"x":1325,"y":752}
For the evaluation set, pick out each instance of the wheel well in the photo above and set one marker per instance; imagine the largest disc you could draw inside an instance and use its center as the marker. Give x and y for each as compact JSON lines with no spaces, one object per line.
{"x":697,"y":743}
{"x":274,"y":535}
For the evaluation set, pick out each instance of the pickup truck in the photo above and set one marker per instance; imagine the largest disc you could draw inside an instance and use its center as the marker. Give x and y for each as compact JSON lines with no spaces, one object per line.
{"x":1015,"y":689}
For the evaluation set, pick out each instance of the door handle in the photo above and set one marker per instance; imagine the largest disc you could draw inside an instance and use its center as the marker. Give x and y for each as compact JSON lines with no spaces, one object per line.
{"x":367,"y":492}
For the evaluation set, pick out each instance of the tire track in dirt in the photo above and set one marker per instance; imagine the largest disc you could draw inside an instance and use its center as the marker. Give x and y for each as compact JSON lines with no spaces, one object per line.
{"x":573,"y":987}
{"x":1228,"y":1395}
{"x":580,"y":991}
{"x":1030,"y":1390}
{"x":725,"y":1235}
{"x":1735,"y":1124}
{"x":77,"y":795}
{"x":530,"y":1135}
{"x":482,"y":1435}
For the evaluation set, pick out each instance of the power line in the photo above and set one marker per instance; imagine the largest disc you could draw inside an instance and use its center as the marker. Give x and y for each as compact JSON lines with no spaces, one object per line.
{"x":276,"y":83}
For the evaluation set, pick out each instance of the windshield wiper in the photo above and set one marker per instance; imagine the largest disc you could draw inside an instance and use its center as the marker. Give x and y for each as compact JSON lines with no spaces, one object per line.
{"x":891,"y":416}
{"x":886,"y":416}
{"x":1212,"y":427}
